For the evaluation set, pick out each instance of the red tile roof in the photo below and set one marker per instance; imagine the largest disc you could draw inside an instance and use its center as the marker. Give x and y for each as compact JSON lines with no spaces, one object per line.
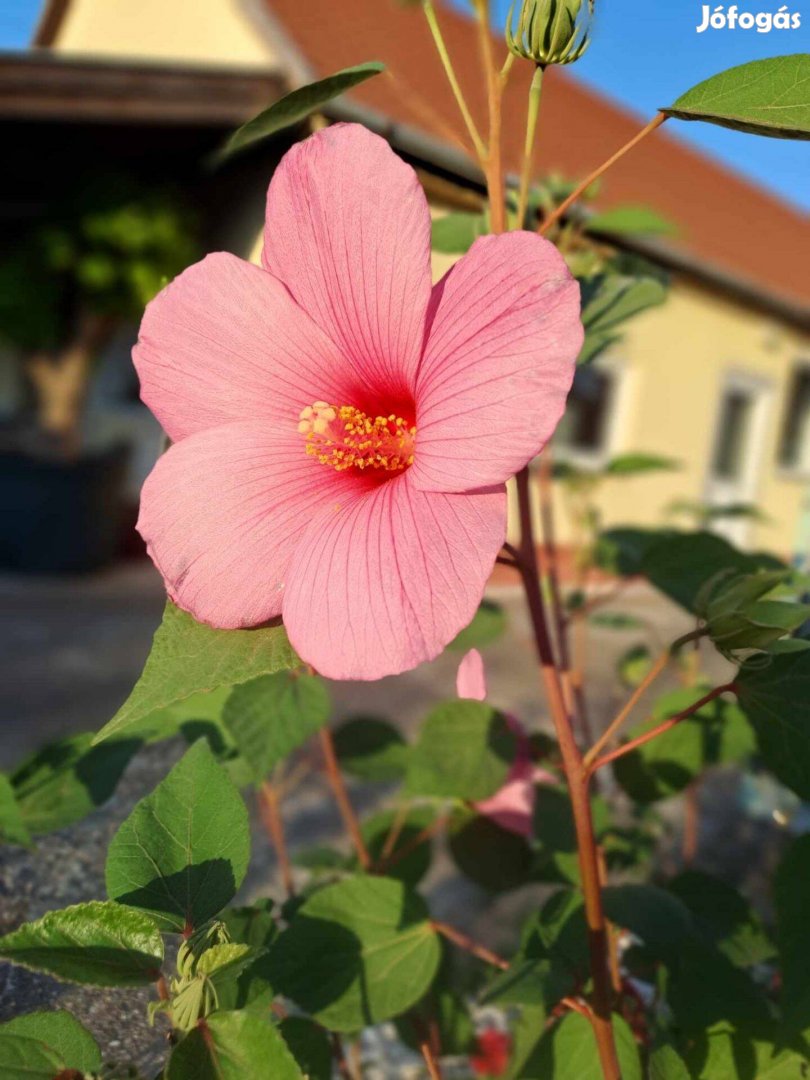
{"x":724,"y":221}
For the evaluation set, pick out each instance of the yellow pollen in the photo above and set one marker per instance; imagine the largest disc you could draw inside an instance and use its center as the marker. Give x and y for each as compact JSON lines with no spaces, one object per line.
{"x":344,"y":437}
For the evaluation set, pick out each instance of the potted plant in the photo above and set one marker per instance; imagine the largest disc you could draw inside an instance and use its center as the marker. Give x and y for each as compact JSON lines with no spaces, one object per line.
{"x":67,"y":283}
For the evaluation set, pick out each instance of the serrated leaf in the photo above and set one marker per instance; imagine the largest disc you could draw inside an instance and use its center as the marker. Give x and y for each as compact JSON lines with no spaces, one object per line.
{"x":655,"y":916}
{"x":273,"y":715}
{"x":792,"y":897}
{"x":62,"y":1033}
{"x":371,"y":749}
{"x":455,"y":234}
{"x":233,"y":1046}
{"x":66,"y":780}
{"x":99,"y":943}
{"x":24,"y":1058}
{"x":188,"y":657}
{"x":309,"y":1045}
{"x":494,"y":858}
{"x":357,"y":952}
{"x":722,"y":917}
{"x":765,"y":97}
{"x":12,"y":827}
{"x":464,"y":750}
{"x":775,"y":697}
{"x":630,"y":221}
{"x":568,"y":1051}
{"x":488,"y":624}
{"x":296,"y":106}
{"x":183,"y":851}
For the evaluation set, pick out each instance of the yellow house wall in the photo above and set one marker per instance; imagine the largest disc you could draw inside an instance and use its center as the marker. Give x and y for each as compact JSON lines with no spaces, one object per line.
{"x":203,"y":31}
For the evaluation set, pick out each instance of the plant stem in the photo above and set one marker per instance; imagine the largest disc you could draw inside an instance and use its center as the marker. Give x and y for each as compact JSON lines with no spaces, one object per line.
{"x":634,"y":744}
{"x":468,"y":945}
{"x":431,"y":1064}
{"x":385,"y":862}
{"x":271,"y":817}
{"x":532,"y":112}
{"x":691,"y":823}
{"x":449,"y":70}
{"x":338,"y":787}
{"x":496,"y":80}
{"x":578,"y":787}
{"x":554,"y":217}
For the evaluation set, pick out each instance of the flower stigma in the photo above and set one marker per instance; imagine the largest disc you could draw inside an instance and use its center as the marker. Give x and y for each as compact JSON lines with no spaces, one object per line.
{"x":345,"y":437}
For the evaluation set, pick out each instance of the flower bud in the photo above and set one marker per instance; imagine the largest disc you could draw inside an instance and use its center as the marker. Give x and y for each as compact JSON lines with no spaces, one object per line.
{"x":550,"y":31}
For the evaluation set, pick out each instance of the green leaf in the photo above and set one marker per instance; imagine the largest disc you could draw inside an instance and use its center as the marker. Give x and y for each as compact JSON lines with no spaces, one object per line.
{"x":464,"y":750}
{"x":568,"y":1051}
{"x":718,"y":733}
{"x":792,"y":897}
{"x":357,"y":952}
{"x":255,"y":925}
{"x":680,"y":564}
{"x":371,"y":749}
{"x":273,"y":715}
{"x":765,"y":97}
{"x":98,"y":943}
{"x":488,"y":624}
{"x":455,"y":234}
{"x":630,"y":221}
{"x":23,"y":1058}
{"x":622,"y":550}
{"x":413,"y":866}
{"x":615,"y":620}
{"x":309,"y":1045}
{"x":634,"y":665}
{"x":637,"y":464}
{"x":723,"y":918}
{"x":66,"y":780}
{"x":555,"y":842}
{"x":295,"y":107}
{"x":188,"y":657}
{"x":666,"y":1064}
{"x":233,"y":1046}
{"x":441,"y":1011}
{"x":706,"y":989}
{"x":552,"y":959}
{"x":12,"y":827}
{"x":183,"y":851}
{"x":493,"y":857}
{"x":62,"y":1033}
{"x":608,"y":301}
{"x":775,"y":697}
{"x":660,"y":919}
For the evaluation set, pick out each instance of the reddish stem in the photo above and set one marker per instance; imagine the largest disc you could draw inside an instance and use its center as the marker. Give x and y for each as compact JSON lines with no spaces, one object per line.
{"x":465,"y":942}
{"x":338,"y":787}
{"x":660,"y":729}
{"x":578,"y":787}
{"x":271,"y":817}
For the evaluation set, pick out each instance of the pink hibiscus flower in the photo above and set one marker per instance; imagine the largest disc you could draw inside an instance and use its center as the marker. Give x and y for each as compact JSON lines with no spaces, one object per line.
{"x":512,"y":806}
{"x":342,"y":430}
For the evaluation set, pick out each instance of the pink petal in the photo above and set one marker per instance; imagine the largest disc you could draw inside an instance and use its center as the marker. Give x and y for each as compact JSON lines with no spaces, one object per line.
{"x":221,"y":513}
{"x":348,"y":232}
{"x":225,"y":341}
{"x":498,"y":362}
{"x":471,"y":682}
{"x":512,"y":807}
{"x":383,"y":583}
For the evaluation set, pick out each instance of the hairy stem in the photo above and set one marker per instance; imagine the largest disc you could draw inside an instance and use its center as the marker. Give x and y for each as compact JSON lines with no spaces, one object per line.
{"x":532,"y":113}
{"x":449,"y":70}
{"x":270,"y":808}
{"x":338,"y":787}
{"x":554,"y":217}
{"x":648,"y":736}
{"x":578,"y":787}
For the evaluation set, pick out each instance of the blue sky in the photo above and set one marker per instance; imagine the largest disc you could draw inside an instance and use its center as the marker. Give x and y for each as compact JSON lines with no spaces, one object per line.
{"x":644,"y":54}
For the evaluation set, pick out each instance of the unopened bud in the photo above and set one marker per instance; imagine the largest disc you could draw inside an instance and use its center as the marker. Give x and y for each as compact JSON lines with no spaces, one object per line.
{"x":550,"y":31}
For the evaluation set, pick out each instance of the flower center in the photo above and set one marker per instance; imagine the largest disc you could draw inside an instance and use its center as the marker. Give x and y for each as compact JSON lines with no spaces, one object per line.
{"x":344,"y":437}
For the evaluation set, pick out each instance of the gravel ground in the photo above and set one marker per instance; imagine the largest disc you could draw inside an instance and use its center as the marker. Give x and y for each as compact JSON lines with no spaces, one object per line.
{"x":70,"y":651}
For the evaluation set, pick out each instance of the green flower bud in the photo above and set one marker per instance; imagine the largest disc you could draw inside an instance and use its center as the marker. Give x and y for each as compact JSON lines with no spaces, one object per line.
{"x":550,"y":31}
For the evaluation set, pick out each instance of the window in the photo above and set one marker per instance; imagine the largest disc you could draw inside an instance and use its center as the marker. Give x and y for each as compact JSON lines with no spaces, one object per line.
{"x":732,"y":435}
{"x":794,"y":445}
{"x":584,"y":427}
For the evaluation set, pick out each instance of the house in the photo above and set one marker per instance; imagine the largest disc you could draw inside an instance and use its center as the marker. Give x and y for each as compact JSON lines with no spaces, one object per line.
{"x":718,"y":378}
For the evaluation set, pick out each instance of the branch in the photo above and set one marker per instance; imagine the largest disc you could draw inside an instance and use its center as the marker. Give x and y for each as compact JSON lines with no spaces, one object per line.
{"x":335,"y":778}
{"x":633,"y":744}
{"x":470,"y":946}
